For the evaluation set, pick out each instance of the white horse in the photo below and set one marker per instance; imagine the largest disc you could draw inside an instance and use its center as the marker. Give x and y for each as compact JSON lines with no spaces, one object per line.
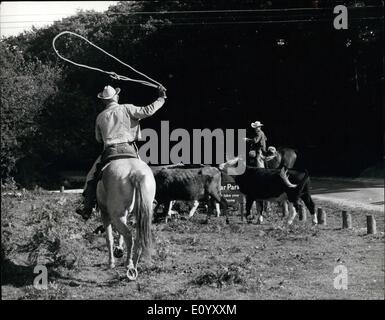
{"x":127,"y":191}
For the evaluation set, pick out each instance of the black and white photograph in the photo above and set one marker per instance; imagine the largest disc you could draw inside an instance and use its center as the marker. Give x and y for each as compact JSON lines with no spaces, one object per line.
{"x":191,"y":150}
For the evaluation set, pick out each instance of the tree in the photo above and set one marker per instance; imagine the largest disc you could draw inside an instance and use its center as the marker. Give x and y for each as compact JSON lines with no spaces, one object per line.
{"x":25,"y":86}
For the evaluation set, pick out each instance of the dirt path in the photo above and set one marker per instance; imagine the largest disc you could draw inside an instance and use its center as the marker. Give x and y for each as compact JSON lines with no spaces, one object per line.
{"x":191,"y":260}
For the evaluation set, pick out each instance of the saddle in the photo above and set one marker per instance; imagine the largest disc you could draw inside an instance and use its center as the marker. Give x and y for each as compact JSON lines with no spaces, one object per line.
{"x":114,"y":152}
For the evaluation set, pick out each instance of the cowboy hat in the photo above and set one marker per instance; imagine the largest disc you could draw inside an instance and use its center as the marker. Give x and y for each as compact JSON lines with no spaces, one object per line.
{"x":256,"y":124}
{"x":108,"y":92}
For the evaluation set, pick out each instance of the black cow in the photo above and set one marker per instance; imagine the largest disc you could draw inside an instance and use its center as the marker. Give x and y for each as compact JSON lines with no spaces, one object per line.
{"x":259,"y":184}
{"x":279,"y":158}
{"x":189,"y":184}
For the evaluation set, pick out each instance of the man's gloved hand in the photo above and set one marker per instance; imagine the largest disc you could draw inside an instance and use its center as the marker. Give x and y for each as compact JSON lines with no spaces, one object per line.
{"x":162,"y":92}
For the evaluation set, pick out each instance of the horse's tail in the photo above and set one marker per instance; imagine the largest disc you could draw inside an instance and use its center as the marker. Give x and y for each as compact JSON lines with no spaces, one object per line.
{"x":143,"y":214}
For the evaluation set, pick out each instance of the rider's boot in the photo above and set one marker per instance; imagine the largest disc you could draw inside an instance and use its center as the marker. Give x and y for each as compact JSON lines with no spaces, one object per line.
{"x":89,"y":200}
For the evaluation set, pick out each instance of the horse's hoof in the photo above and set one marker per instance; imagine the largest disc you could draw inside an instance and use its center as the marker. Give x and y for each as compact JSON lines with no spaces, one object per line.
{"x":290,"y":222}
{"x":227,"y":221}
{"x":111,"y":265}
{"x":132,"y":273}
{"x":118,"y":252}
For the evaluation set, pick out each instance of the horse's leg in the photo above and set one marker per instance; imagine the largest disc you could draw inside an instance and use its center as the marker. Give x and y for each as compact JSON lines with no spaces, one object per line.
{"x":109,"y":239}
{"x":194,"y":208}
{"x":121,"y":241}
{"x":137,"y":253}
{"x":119,"y":250}
{"x":124,"y":230}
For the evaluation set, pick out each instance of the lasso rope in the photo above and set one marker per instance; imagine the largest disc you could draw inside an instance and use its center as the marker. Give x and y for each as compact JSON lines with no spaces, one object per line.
{"x":110,"y":73}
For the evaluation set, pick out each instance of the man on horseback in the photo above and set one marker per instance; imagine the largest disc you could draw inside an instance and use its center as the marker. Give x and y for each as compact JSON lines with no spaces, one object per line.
{"x":259,"y":140}
{"x":117,"y":127}
{"x":257,"y":146}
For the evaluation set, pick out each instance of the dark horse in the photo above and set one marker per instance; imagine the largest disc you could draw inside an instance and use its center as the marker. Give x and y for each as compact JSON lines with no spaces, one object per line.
{"x":283,"y":157}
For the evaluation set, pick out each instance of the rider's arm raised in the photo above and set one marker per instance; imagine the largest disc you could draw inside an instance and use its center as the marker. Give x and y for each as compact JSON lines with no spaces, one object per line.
{"x":144,"y":112}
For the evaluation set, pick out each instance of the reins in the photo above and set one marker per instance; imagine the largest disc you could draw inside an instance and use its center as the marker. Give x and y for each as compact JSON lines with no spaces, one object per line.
{"x":112,"y":74}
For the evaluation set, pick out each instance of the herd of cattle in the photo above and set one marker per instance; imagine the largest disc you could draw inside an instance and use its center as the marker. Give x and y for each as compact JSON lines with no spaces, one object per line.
{"x":203,"y":183}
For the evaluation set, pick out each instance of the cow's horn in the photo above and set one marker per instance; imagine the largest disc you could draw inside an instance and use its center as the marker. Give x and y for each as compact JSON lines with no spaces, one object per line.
{"x":285,"y":178}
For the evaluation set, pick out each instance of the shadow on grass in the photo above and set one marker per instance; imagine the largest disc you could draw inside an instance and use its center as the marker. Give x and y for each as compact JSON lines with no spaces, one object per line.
{"x":19,"y":275}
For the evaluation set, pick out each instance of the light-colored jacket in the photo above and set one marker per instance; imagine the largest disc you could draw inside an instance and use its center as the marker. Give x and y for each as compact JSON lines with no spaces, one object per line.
{"x":260,"y":140}
{"x":120,"y":122}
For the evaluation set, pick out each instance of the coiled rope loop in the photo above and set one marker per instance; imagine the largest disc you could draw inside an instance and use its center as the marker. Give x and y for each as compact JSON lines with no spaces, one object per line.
{"x":112,"y":74}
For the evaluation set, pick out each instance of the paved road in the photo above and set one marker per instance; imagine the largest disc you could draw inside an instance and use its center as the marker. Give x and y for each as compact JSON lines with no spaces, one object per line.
{"x":363,"y":193}
{"x":367,"y":194}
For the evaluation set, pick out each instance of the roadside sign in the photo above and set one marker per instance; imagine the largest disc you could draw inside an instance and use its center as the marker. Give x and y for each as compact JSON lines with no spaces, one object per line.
{"x":235,"y":199}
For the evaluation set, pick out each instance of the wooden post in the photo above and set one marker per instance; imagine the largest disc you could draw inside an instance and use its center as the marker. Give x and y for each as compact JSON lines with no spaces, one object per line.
{"x":302,"y":213}
{"x":62,"y":189}
{"x":285,"y":209}
{"x":321,"y":216}
{"x":346,"y":220}
{"x":371,"y":224}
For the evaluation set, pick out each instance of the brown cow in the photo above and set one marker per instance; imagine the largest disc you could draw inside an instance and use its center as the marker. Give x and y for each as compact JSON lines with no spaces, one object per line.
{"x":189,"y":184}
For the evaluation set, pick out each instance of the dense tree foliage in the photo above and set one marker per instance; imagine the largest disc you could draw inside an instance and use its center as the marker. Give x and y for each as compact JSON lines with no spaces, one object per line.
{"x":25,"y":87}
{"x":305,"y":80}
